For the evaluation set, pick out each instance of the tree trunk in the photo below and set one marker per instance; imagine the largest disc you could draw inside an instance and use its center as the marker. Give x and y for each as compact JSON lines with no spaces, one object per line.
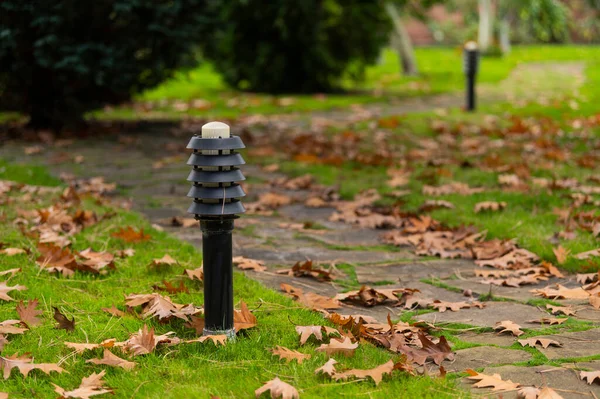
{"x":505,"y":36}
{"x":402,"y":43}
{"x":486,"y":24}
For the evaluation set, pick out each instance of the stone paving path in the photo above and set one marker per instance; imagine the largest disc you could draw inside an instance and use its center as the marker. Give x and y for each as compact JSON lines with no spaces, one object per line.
{"x":159,"y":193}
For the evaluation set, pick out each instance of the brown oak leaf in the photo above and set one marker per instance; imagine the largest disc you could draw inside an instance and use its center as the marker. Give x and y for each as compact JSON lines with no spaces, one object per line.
{"x":595,"y":301}
{"x":549,"y":320}
{"x":278,"y":389}
{"x":10,"y":327}
{"x":90,"y":386}
{"x":170,"y":288}
{"x":376,"y":374}
{"x":114,"y":311}
{"x":128,"y":234}
{"x":29,"y":314}
{"x":328,"y":368}
{"x":491,"y":381}
{"x":81,"y":347}
{"x":165,"y":261}
{"x":13,"y":251}
{"x":24,"y":365}
{"x":566,"y":310}
{"x":197,"y":273}
{"x":249,"y":264}
{"x":306,"y":332}
{"x":311,"y":300}
{"x":288,"y":354}
{"x":589,"y":376}
{"x":63,"y":322}
{"x":335,"y":346}
{"x":111,"y":359}
{"x":5,"y":289}
{"x":243,"y":318}
{"x":307,"y":269}
{"x":544,"y":342}
{"x":437,"y":352}
{"x":510,"y":327}
{"x":562,"y":292}
{"x":561,"y":254}
{"x":490,"y":206}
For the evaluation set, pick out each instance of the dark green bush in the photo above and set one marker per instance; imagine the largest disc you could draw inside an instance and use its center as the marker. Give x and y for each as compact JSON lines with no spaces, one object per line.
{"x":305,"y":46}
{"x":61,"y":58}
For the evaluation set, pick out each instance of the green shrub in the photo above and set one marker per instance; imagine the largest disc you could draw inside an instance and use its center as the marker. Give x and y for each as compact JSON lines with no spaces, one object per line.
{"x":305,"y":46}
{"x":61,"y":58}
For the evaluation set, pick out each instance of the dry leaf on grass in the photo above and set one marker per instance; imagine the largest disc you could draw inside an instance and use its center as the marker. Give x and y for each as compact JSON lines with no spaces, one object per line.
{"x":376,"y":374}
{"x":90,"y":386}
{"x":589,"y":376}
{"x":24,"y":365}
{"x":161,"y":307}
{"x":243,"y":319}
{"x":549,"y":320}
{"x":165,"y":261}
{"x":437,"y":352}
{"x":288,"y":354}
{"x":328,"y":368}
{"x":562,"y":292}
{"x":81,"y":347}
{"x":490,"y":206}
{"x":335,"y":346}
{"x":12,"y":272}
{"x":509,"y":327}
{"x":63,"y":322}
{"x":5,"y":289}
{"x":311,"y":300}
{"x":170,"y":288}
{"x":561,"y":254}
{"x":10,"y":327}
{"x":114,"y":311}
{"x":544,"y":342}
{"x":588,"y":254}
{"x":595,"y":301}
{"x":306,"y":332}
{"x":111,"y":359}
{"x":278,"y":389}
{"x":197,"y":274}
{"x":29,"y":314}
{"x":249,"y":264}
{"x":128,"y":234}
{"x":495,"y":382}
{"x":13,"y":251}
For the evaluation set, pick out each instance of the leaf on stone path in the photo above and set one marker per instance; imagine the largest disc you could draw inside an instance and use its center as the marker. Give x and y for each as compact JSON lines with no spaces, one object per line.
{"x":29,"y":314}
{"x":161,"y":307}
{"x":24,"y":365}
{"x":10,"y":327}
{"x":335,"y":346}
{"x":278,"y":389}
{"x":368,"y":296}
{"x":549,"y":320}
{"x":13,"y":251}
{"x":595,"y":301}
{"x":376,"y":374}
{"x":516,"y":281}
{"x":5,"y":289}
{"x":111,"y":359}
{"x":267,"y":202}
{"x":561,"y":292}
{"x":12,"y":272}
{"x":587,"y":278}
{"x":491,"y":381}
{"x":490,"y":206}
{"x":528,"y":393}
{"x":90,"y":386}
{"x":128,"y":234}
{"x":249,"y":264}
{"x":589,"y":376}
{"x":442,"y":306}
{"x":544,"y":342}
{"x":306,"y":269}
{"x":588,"y":254}
{"x":165,"y":261}
{"x":113,"y":310}
{"x":63,"y":322}
{"x":56,"y":259}
{"x":561,"y":254}
{"x":243,"y":318}
{"x":177,"y":221}
{"x":548,"y":393}
{"x":437,"y":352}
{"x":328,"y":368}
{"x":81,"y":347}
{"x":125,"y":253}
{"x":170,"y":288}
{"x":197,"y":274}
{"x":510,"y":327}
{"x":315,"y":202}
{"x":566,"y":310}
{"x":288,"y":354}
{"x":311,"y":300}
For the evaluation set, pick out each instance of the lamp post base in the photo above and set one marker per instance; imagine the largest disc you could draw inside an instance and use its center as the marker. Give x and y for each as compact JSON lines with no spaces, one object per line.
{"x":229,"y":333}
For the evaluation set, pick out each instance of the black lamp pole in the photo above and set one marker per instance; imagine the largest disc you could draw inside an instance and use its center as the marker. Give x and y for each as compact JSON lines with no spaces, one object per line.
{"x":471,"y":66}
{"x":216,"y":204}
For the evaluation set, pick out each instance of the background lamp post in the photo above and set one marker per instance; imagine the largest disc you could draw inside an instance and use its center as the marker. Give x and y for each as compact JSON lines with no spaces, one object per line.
{"x":216,"y":195}
{"x":470,"y":67}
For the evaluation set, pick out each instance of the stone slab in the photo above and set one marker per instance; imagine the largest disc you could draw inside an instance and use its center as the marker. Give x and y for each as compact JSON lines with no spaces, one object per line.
{"x":413,"y":271}
{"x":520,"y":294}
{"x":487,"y":338}
{"x":564,"y":380}
{"x":485,"y":356}
{"x":574,"y":344}
{"x":488,"y":316}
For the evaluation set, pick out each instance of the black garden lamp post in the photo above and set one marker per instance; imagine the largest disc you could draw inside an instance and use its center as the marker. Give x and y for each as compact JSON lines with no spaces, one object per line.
{"x":470,"y":67}
{"x":216,"y":195}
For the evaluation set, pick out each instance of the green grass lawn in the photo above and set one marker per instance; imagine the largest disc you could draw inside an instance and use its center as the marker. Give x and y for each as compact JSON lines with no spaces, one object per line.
{"x":190,"y":371}
{"x":440,"y":72}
